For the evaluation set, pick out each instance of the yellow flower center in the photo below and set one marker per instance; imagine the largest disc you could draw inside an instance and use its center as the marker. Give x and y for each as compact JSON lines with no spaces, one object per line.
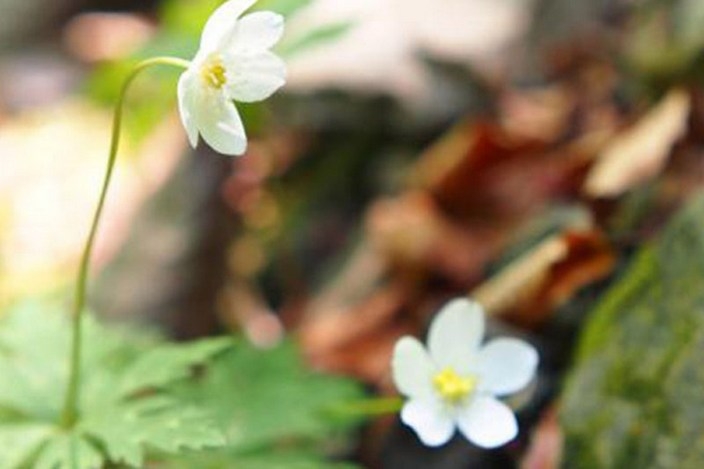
{"x":453,"y":387}
{"x":213,"y":73}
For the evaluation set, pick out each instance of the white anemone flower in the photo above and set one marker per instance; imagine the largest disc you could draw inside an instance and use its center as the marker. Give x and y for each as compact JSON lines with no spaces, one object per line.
{"x":456,"y":382}
{"x":234,"y":63}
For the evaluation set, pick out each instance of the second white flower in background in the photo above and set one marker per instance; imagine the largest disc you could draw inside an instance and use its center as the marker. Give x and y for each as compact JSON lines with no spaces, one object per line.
{"x":455,"y":384}
{"x":234,"y":63}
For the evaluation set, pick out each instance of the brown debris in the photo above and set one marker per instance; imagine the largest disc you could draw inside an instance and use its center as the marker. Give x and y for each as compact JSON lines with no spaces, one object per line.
{"x":358,"y":340}
{"x":411,"y":232}
{"x":99,"y":37}
{"x":529,"y":289}
{"x":640,"y":153}
{"x":545,"y":450}
{"x":467,"y":196}
{"x":464,"y":200}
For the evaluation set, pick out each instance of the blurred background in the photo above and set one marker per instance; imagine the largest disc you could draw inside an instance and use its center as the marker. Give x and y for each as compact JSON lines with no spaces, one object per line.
{"x":517,"y":150}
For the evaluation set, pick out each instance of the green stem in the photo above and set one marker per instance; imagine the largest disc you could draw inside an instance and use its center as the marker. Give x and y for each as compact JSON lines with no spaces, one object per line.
{"x":371,"y":407}
{"x":70,"y":409}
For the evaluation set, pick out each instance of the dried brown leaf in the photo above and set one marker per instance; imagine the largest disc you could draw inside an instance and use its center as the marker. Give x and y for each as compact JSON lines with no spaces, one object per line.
{"x":641,"y":152}
{"x":412,"y":233}
{"x":528,"y":290}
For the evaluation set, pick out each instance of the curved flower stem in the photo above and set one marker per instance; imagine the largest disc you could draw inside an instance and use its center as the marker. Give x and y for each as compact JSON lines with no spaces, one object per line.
{"x":371,"y":407}
{"x":70,"y":410}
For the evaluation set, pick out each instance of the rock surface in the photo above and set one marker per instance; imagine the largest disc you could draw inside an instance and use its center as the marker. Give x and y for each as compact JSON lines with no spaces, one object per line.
{"x":636,"y":393}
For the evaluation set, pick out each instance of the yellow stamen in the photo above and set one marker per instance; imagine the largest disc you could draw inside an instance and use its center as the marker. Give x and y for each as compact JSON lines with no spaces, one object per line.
{"x":453,"y":387}
{"x":213,"y":73}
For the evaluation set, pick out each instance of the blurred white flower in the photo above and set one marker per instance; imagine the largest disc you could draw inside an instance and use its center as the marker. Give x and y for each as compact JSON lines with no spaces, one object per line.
{"x":456,"y":382}
{"x":234,"y":63}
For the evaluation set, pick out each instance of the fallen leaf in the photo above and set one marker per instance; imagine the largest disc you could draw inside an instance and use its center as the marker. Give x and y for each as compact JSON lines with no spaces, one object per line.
{"x":412,"y":233}
{"x":521,"y":279}
{"x":640,"y":153}
{"x":528,"y":290}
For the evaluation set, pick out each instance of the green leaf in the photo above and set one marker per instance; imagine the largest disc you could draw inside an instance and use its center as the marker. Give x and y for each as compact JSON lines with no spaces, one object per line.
{"x":34,"y":342}
{"x":126,"y":408}
{"x":264,"y":397}
{"x":165,"y":364}
{"x":635,"y":397}
{"x":69,"y":451}
{"x":144,"y":400}
{"x":20,"y":441}
{"x":271,"y":408}
{"x":126,"y":429}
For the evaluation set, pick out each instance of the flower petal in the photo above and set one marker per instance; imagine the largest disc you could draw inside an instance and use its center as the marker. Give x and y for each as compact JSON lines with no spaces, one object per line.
{"x":455,"y":335}
{"x":412,"y":368}
{"x":488,"y":423}
{"x":219,"y":123}
{"x":258,"y":31}
{"x":187,"y":102}
{"x":221,"y":25}
{"x":431,"y":422}
{"x":254,"y":77}
{"x":506,"y":365}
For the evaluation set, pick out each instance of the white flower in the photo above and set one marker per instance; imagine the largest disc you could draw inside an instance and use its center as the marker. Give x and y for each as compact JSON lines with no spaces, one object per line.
{"x":234,"y":63}
{"x":455,"y":384}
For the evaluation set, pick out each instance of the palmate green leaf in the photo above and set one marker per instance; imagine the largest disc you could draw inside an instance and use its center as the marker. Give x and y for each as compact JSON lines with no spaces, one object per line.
{"x":635,"y":397}
{"x":125,"y":429}
{"x":271,"y":408}
{"x":71,"y":451}
{"x":34,"y":342}
{"x":20,"y":441}
{"x":165,"y":364}
{"x":126,"y":408}
{"x":264,"y":397}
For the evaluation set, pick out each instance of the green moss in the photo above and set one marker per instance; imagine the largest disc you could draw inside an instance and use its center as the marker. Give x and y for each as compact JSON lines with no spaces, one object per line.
{"x":636,"y":395}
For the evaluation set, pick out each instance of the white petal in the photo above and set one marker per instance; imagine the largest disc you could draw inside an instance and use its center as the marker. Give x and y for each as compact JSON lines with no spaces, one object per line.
{"x":187,"y":102}
{"x":433,"y":425}
{"x":257,"y":32}
{"x":412,"y":369}
{"x":506,"y":365}
{"x":221,"y":25}
{"x":488,"y":423}
{"x":219,"y":123}
{"x":254,"y":77}
{"x":455,"y":335}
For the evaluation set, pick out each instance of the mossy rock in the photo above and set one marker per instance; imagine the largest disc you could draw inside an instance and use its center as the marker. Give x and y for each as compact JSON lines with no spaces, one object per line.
{"x":636,"y":396}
